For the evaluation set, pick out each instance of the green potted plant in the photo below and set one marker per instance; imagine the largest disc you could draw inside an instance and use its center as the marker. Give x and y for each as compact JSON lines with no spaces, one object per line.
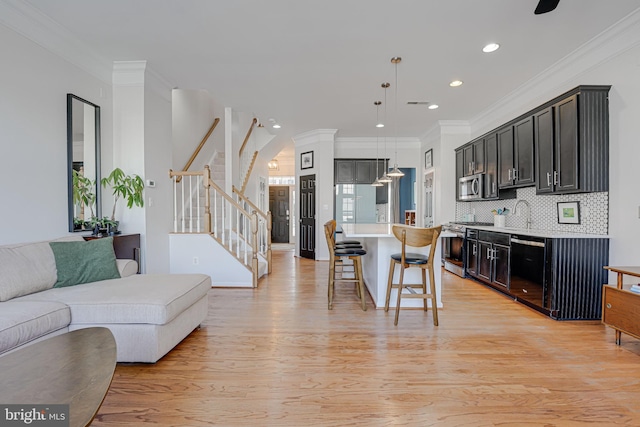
{"x":127,"y":187}
{"x":83,"y":195}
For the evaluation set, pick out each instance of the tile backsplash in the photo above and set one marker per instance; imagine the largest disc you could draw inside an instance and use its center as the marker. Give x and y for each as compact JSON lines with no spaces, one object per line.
{"x":594,"y":211}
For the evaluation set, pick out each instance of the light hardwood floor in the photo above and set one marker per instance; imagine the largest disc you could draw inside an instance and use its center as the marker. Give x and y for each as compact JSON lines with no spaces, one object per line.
{"x":275,"y":356}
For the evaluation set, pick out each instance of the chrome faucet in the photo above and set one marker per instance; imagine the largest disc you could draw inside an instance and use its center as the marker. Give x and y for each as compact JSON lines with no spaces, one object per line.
{"x":515,"y":211}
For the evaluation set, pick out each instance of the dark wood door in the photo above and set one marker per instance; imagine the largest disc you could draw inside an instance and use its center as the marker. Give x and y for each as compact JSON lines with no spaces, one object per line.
{"x":523,"y":152}
{"x":505,"y":157}
{"x":566,"y":153}
{"x":279,"y":207}
{"x":308,"y":216}
{"x":543,"y":135}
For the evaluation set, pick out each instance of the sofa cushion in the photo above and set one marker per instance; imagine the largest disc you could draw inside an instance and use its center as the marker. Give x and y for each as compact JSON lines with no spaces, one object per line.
{"x":22,"y":322}
{"x":84,"y":262}
{"x":27,"y":267}
{"x":141,"y":298}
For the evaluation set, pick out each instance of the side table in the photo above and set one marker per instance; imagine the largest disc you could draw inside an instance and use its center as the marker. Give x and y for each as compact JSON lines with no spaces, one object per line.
{"x":620,"y":307}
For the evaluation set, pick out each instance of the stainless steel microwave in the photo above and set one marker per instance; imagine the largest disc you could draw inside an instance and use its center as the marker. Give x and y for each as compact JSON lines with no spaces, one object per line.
{"x":470,"y":187}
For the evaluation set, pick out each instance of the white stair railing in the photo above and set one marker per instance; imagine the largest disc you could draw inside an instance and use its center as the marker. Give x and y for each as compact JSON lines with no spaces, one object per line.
{"x":227,"y":221}
{"x":264,"y":225}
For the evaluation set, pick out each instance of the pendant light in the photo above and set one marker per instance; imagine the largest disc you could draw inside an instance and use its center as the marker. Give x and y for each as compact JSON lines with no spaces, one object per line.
{"x":377,"y":182}
{"x":385,"y":178}
{"x":396,"y":172}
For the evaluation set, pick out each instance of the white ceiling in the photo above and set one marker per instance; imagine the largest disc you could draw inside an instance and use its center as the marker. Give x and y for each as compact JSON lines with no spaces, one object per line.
{"x":319,"y":64}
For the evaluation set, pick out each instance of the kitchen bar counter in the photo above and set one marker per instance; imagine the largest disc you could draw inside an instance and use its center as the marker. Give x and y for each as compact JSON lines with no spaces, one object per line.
{"x":379,"y":242}
{"x":549,"y":234}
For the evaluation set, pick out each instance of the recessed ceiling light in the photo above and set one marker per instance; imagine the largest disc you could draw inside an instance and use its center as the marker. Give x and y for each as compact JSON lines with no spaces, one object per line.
{"x":491,"y":47}
{"x":380,"y":125}
{"x":276,"y":126}
{"x":456,"y":83}
{"x":433,"y":106}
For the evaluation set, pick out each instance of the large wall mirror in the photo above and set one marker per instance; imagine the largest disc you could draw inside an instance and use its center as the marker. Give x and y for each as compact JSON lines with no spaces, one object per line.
{"x":83,"y":154}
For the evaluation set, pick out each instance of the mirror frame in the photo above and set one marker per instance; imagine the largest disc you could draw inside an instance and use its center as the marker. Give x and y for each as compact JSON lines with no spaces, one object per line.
{"x":98,"y":210}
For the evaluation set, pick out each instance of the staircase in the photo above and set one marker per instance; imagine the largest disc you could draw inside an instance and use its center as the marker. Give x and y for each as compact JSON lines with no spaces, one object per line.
{"x":236,"y":248}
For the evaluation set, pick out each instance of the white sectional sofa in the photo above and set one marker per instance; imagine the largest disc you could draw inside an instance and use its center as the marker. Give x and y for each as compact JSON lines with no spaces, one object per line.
{"x":147,"y":314}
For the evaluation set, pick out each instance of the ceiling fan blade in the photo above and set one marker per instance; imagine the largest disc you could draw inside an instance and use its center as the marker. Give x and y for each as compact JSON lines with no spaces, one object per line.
{"x":545,"y":6}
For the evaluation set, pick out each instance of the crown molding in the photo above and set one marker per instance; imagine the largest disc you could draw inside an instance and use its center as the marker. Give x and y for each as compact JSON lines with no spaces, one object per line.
{"x":28,"y":21}
{"x":313,"y":136}
{"x":561,"y":76}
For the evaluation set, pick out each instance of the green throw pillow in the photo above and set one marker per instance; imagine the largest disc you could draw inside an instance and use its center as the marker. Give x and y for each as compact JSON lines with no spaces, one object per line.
{"x":84,"y":262}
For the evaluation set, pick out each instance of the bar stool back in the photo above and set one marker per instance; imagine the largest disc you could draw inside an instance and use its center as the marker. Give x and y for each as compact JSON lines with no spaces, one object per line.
{"x":335,"y":259}
{"x":415,"y":237}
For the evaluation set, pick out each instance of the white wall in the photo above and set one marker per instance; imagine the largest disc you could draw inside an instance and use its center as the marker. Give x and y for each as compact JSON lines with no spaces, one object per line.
{"x":193,"y":113}
{"x":33,"y":136}
{"x":157,"y":162}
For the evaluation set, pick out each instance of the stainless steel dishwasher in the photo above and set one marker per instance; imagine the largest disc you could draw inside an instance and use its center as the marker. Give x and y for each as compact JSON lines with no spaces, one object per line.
{"x":530,"y":258}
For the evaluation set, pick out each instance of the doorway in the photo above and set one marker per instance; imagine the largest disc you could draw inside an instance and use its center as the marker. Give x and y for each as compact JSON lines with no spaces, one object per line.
{"x":307,"y":216}
{"x":279,"y":207}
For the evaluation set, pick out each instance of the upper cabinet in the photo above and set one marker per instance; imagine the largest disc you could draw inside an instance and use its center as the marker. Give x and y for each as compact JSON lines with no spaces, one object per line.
{"x":572,"y":143}
{"x":561,"y":147}
{"x":473,"y":157}
{"x":357,"y":171}
{"x":515,"y":154}
{"x":459,"y":170}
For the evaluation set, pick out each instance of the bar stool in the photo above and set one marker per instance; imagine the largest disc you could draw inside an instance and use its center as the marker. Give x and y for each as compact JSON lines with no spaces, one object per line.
{"x":417,"y":238}
{"x":335,"y":259}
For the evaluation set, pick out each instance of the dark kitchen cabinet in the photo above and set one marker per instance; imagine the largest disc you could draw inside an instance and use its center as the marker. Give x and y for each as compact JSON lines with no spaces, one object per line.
{"x":493,"y":258}
{"x":544,"y":150}
{"x":345,"y":172}
{"x":515,"y":154}
{"x":357,"y":171}
{"x":472,"y":253}
{"x":504,"y":137}
{"x":459,"y":170}
{"x":572,"y":142}
{"x":474,"y":158}
{"x":491,"y":167}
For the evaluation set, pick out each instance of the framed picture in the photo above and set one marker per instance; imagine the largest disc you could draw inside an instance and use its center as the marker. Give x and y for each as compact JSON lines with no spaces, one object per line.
{"x":306,"y":160}
{"x":428,"y":159}
{"x":568,"y":212}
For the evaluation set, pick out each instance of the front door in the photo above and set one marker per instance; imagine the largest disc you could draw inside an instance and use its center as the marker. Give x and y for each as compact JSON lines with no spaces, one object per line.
{"x":279,"y":207}
{"x":308,"y":216}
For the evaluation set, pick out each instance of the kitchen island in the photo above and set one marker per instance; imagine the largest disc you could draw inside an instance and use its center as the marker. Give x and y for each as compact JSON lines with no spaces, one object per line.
{"x":379,"y":242}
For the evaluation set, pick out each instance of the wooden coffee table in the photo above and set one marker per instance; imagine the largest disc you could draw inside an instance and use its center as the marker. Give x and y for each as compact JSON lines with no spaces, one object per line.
{"x":75,"y":368}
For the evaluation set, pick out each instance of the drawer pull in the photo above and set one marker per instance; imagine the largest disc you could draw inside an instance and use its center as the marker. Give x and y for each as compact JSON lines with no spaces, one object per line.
{"x":608,"y":305}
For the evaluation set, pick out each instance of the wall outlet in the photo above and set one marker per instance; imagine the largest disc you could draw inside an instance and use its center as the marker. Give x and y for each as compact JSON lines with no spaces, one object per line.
{"x":196,"y":260}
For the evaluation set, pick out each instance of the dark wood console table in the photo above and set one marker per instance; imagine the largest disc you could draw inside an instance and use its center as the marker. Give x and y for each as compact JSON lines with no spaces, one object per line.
{"x":72,"y":369}
{"x":620,"y":307}
{"x":126,"y":246}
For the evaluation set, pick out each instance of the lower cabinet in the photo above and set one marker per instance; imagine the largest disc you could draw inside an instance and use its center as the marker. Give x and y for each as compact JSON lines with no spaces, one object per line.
{"x":563,"y":278}
{"x":488,"y":257}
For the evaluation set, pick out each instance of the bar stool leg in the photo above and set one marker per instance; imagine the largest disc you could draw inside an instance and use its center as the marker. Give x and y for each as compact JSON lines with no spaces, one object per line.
{"x":395,"y":322}
{"x":392,"y":266}
{"x":424,"y":288}
{"x":332,"y":271}
{"x":358,"y":267}
{"x":356,"y":275}
{"x":434,"y":302}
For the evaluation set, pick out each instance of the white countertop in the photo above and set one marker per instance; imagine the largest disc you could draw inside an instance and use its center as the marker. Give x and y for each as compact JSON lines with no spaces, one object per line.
{"x":375,"y":230}
{"x":550,"y":234}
